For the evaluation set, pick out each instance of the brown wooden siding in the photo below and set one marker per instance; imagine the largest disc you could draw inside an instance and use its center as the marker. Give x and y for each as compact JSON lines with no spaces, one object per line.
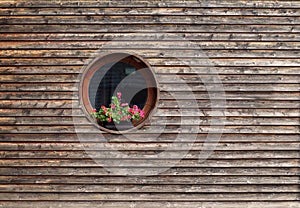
{"x":254,"y":47}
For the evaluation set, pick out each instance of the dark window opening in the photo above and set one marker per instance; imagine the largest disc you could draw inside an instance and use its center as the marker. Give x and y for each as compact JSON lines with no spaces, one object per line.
{"x":118,"y":77}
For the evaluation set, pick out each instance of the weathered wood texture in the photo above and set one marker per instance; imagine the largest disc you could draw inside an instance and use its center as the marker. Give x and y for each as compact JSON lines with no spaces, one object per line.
{"x":252,"y":47}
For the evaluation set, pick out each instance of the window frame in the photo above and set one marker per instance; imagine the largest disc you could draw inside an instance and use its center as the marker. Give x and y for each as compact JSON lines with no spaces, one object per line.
{"x":132,"y":59}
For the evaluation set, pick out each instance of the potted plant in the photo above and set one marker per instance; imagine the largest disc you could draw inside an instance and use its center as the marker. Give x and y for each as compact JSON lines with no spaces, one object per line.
{"x":119,"y":115}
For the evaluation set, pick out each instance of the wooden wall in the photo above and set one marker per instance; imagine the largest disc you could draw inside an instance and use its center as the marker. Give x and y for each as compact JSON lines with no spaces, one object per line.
{"x":254,"y":46}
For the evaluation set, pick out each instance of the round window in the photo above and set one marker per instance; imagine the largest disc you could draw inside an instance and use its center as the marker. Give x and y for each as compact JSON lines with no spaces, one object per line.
{"x":118,"y":92}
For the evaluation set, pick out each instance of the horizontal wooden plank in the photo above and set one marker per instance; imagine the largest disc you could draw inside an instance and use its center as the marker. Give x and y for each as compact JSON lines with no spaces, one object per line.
{"x":174,"y":87}
{"x":231,"y":121}
{"x":40,"y":112}
{"x":61,"y":87}
{"x":177,"y":129}
{"x":39,"y":78}
{"x":147,"y":19}
{"x":158,"y":180}
{"x":40,"y":69}
{"x":242,"y":113}
{"x":42,"y":120}
{"x":267,"y":70}
{"x":225,"y":62}
{"x":200,"y":36}
{"x":249,"y":70}
{"x":37,"y":103}
{"x":217,"y":154}
{"x":223,"y":78}
{"x":261,"y":54}
{"x":171,"y":104}
{"x":38,"y":95}
{"x":42,"y":61}
{"x":61,"y":188}
{"x":246,"y":180}
{"x":163,"y":78}
{"x":218,"y":104}
{"x":96,"y":204}
{"x":153,"y":204}
{"x":231,"y":95}
{"x":35,"y":174}
{"x":155,"y":120}
{"x":140,"y":42}
{"x":124,"y":145}
{"x":233,"y":87}
{"x":149,"y":28}
{"x":128,"y":164}
{"x":46,"y":95}
{"x":79,"y":11}
{"x":161,"y":61}
{"x":149,"y":197}
{"x":148,"y":138}
{"x":155,"y":3}
{"x":230,"y":112}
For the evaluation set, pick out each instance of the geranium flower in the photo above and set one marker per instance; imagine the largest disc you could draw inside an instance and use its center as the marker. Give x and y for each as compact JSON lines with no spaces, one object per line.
{"x":119,"y":95}
{"x":118,"y":111}
{"x":103,"y":108}
{"x":131,"y":111}
{"x":142,"y":113}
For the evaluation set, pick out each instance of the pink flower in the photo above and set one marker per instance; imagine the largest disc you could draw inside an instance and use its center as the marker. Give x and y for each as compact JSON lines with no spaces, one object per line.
{"x":142,"y":113}
{"x":113,"y":106}
{"x":94,"y":110}
{"x":109,"y":119}
{"x":119,"y":112}
{"x":129,"y":116}
{"x":119,"y":95}
{"x":124,"y":104}
{"x":135,"y":107}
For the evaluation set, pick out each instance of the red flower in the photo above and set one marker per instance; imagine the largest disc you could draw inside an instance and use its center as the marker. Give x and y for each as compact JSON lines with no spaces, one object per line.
{"x":104,"y":109}
{"x":109,"y":119}
{"x":94,"y":110}
{"x":131,"y":111}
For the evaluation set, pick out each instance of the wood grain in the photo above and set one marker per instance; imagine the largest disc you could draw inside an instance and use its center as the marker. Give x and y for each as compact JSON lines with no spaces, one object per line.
{"x":251,"y":47}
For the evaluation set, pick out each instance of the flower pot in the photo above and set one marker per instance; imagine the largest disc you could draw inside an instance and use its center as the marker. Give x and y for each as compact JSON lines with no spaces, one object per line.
{"x":122,"y":126}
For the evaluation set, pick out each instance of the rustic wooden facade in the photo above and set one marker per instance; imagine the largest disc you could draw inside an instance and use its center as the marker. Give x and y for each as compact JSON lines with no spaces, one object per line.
{"x":254,"y":46}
